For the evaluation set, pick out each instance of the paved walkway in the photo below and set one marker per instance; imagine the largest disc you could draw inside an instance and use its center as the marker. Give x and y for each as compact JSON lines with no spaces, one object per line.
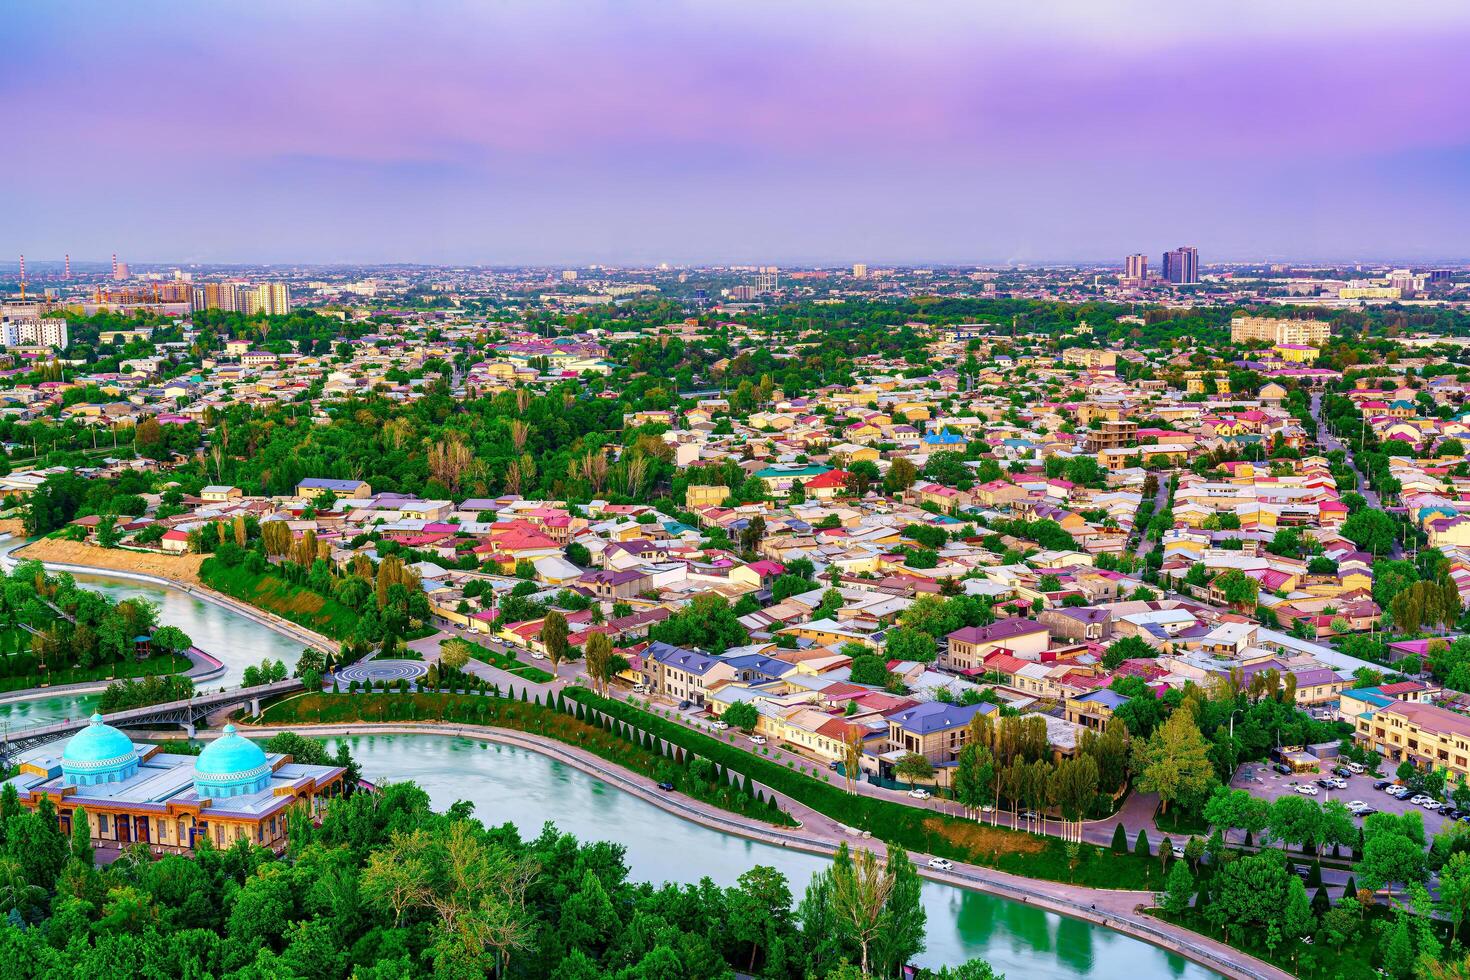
{"x":1119,"y":910}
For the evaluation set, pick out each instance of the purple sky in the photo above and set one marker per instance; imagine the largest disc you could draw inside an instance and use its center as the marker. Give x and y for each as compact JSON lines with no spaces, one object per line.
{"x":549,"y":131}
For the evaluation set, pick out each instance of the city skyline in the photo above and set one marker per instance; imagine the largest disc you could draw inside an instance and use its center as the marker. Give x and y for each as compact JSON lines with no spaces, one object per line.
{"x":820,"y":134}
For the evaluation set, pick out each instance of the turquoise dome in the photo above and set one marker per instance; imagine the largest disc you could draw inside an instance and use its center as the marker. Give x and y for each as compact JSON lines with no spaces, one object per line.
{"x":231,"y":765}
{"x":98,"y":753}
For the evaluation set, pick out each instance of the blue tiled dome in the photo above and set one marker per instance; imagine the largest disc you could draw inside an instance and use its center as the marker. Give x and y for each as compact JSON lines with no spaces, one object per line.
{"x":98,"y":753}
{"x":231,"y":765}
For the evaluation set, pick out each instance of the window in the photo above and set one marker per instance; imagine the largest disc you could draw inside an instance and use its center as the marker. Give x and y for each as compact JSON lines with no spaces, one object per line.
{"x":101,"y":823}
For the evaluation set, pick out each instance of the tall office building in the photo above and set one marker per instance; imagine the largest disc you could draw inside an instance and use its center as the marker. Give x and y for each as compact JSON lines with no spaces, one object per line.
{"x":1181,"y":265}
{"x":859,"y":270}
{"x":1135,"y":267}
{"x":768,"y":279}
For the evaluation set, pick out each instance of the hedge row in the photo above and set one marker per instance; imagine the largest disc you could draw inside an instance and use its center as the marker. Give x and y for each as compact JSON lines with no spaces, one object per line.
{"x":916,"y":829}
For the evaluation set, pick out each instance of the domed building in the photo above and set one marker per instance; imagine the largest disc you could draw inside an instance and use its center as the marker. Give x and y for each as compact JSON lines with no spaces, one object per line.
{"x":99,"y":754}
{"x":231,"y":765}
{"x":133,"y":793}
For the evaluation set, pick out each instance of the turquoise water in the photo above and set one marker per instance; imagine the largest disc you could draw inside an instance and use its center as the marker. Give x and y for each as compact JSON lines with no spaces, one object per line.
{"x":508,"y":784}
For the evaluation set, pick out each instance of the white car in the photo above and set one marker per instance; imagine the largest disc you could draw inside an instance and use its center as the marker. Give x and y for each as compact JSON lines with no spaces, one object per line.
{"x":1356,"y":805}
{"x":1419,"y":799}
{"x":941,"y":864}
{"x":919,"y":794}
{"x":1306,"y":789}
{"x":718,"y":725}
{"x":1431,"y":804}
{"x":1336,"y":783}
{"x":640,"y":689}
{"x":1356,"y":768}
{"x":537,"y":655}
{"x":758,"y":739}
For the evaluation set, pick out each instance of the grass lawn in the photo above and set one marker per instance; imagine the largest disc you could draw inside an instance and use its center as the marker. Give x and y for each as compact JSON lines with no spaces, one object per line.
{"x":294,"y":602}
{"x":1181,"y":823}
{"x":505,"y":662}
{"x":917,"y":829}
{"x":102,"y":672}
{"x":631,"y":753}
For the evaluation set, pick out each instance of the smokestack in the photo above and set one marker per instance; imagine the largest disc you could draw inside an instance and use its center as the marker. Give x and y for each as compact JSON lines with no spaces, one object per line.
{"x":114,"y":266}
{"x":67,"y":275}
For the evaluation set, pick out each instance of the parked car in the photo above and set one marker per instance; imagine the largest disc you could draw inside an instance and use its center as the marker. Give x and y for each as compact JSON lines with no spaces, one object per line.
{"x":1325,"y":783}
{"x":685,"y":705}
{"x":1336,"y":784}
{"x":832,"y":765}
{"x":666,"y":787}
{"x":640,"y":689}
{"x":1356,"y":805}
{"x":1382,"y":784}
{"x":1356,"y":768}
{"x":719,"y":725}
{"x":1431,"y":804}
{"x":1419,"y":798}
{"x":1342,"y":771}
{"x":941,"y":864}
{"x":1307,"y":789}
{"x":1282,"y":768}
{"x":919,"y":793}
{"x":1366,"y":811}
{"x":758,"y":739}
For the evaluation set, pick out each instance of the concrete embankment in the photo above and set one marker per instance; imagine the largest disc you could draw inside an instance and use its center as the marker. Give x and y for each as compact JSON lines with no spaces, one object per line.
{"x":1117,"y":910}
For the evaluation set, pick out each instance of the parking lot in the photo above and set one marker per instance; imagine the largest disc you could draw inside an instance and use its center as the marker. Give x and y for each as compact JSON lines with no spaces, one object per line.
{"x":1261,"y":780}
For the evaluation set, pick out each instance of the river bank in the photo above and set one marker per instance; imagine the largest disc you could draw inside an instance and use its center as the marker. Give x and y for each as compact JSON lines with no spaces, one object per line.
{"x":177,"y":569}
{"x":80,"y":559}
{"x":1113,"y":909}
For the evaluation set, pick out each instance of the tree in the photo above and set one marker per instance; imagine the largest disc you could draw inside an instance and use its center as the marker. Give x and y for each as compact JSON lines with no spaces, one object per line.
{"x":974,"y":776}
{"x":597,"y":653}
{"x":454,"y":654}
{"x":861,"y":887}
{"x":554,"y":637}
{"x":1392,"y":851}
{"x":742,"y":715}
{"x":1178,"y":889}
{"x":81,"y":837}
{"x":1238,"y":588}
{"x":1294,"y":820}
{"x":869,"y":669}
{"x":913,"y":767}
{"x":900,"y":935}
{"x":902,"y":643}
{"x":1371,"y":530}
{"x":1454,"y":890}
{"x":1175,"y":762}
{"x":1127,"y":648}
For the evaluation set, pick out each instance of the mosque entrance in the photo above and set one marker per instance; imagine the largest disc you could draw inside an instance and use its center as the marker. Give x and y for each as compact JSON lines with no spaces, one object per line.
{"x":142,"y":823}
{"x":124,"y":830}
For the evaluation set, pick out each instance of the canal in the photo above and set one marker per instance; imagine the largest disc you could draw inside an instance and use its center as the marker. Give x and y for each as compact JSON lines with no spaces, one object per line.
{"x":508,"y":784}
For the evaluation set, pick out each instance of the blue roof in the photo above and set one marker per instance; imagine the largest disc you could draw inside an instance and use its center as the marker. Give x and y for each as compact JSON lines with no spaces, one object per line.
{"x":936,"y":716}
{"x":98,"y":742}
{"x":760,"y":664}
{"x":98,"y":753}
{"x":687,"y":660}
{"x":1106,"y":697}
{"x":944,"y":438}
{"x":231,"y":765}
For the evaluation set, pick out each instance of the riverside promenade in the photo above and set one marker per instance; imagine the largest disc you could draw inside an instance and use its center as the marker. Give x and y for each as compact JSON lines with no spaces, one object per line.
{"x":1119,"y":910}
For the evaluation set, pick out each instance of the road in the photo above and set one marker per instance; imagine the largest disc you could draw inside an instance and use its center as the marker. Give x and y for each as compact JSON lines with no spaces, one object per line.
{"x":1330,"y":442}
{"x":1147,"y":544}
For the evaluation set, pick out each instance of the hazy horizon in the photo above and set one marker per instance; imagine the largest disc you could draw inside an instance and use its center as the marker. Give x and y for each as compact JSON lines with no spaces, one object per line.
{"x":634,"y":132}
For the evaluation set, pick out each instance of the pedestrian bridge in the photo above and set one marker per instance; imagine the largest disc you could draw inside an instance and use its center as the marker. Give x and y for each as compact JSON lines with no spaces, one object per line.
{"x":184,"y":713}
